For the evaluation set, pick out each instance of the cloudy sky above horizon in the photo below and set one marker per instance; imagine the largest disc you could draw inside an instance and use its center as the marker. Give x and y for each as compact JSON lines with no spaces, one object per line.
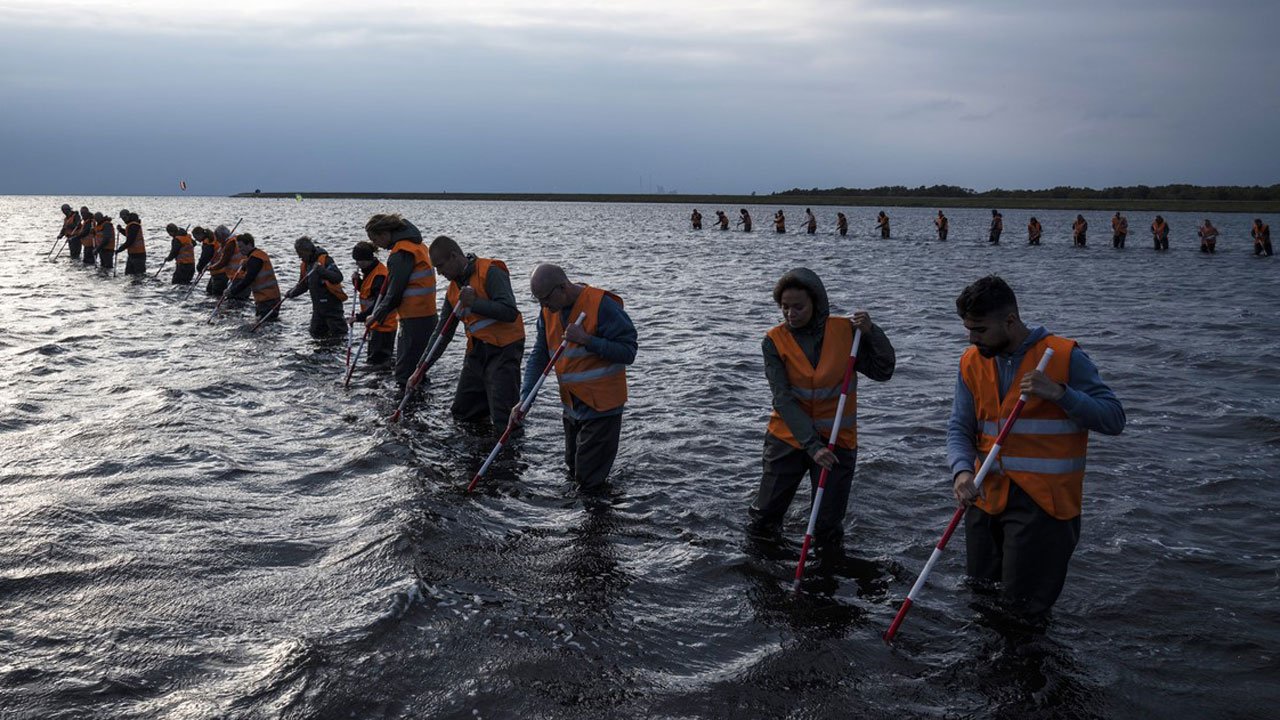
{"x":624,"y":96}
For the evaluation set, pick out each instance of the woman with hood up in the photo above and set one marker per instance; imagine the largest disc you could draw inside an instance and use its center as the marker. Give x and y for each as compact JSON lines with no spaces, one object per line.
{"x":805,"y":357}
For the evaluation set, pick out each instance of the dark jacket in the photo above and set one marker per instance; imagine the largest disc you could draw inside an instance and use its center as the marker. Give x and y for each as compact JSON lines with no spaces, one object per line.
{"x":876,"y":360}
{"x":399,"y":267}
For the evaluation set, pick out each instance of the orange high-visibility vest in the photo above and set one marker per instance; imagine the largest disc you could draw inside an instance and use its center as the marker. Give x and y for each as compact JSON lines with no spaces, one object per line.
{"x":1045,"y":451}
{"x":100,"y":239}
{"x":138,"y":247}
{"x":419,"y":299}
{"x":601,"y":384}
{"x":264,"y":287}
{"x":368,"y":299}
{"x":817,"y":389}
{"x":487,"y":330}
{"x":217,"y":252}
{"x":69,"y":223}
{"x":335,"y":289}
{"x":186,"y":250}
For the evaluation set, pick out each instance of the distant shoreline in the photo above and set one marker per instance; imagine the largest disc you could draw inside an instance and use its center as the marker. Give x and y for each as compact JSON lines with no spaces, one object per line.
{"x":729,"y":201}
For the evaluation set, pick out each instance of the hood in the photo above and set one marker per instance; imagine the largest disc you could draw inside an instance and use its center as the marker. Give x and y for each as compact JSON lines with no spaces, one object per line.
{"x":408,"y":232}
{"x":821,"y":307}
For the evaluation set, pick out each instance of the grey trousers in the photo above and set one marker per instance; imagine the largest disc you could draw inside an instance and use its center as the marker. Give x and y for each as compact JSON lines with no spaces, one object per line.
{"x":1024,"y":548}
{"x":590,"y":447}
{"x":784,"y":467}
{"x":411,"y":342}
{"x":489,"y":385}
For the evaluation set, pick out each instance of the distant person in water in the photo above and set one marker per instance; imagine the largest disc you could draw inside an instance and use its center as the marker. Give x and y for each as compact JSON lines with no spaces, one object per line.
{"x":182,"y":250}
{"x":82,"y":235}
{"x":744,"y":220}
{"x":997,"y":227}
{"x":70,"y":223}
{"x":842,"y":224}
{"x":810,"y":222}
{"x":804,"y":362}
{"x":257,"y":277}
{"x":105,"y":244}
{"x":1079,"y":231}
{"x":940,"y":223}
{"x":1119,"y":230}
{"x":882,"y":224}
{"x":696,"y":219}
{"x":1208,"y":237}
{"x":93,"y":238}
{"x":1160,"y":233}
{"x":134,"y":244}
{"x":1022,"y":528}
{"x":1034,"y":231}
{"x":779,"y":222}
{"x":722,"y":220}
{"x":319,"y":275}
{"x":1261,"y":233}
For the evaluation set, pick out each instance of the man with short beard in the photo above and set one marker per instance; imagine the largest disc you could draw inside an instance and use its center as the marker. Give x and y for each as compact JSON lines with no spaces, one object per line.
{"x":1022,"y":529}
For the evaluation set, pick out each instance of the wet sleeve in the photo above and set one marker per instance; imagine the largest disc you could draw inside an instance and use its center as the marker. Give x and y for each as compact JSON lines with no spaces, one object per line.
{"x":501,"y":305}
{"x":538,"y":359}
{"x":877,"y":358}
{"x":130,"y":235}
{"x":797,"y":420}
{"x":1089,"y":401}
{"x":206,"y":254}
{"x":962,"y":430}
{"x":615,"y":339}
{"x":251,"y":268}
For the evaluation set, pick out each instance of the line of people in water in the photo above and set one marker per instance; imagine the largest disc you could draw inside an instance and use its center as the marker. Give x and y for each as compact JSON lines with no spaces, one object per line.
{"x":395,"y":303}
{"x":1020,"y":531}
{"x":1260,"y":232}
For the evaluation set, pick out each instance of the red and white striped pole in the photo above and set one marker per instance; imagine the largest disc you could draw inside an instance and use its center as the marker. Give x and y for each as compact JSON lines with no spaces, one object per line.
{"x":831,"y":445}
{"x":368,"y":327}
{"x":524,"y":406}
{"x":959,"y":513}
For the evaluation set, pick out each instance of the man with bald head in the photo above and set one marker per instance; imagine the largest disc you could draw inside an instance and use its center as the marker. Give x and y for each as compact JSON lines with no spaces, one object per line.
{"x":70,"y":223}
{"x":591,"y":371}
{"x":480,"y":295}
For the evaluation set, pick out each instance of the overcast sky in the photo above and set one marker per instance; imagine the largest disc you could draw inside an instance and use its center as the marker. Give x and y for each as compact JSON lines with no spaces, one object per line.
{"x":621,"y":95}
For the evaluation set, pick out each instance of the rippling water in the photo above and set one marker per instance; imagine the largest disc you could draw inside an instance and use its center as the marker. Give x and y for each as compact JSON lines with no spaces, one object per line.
{"x":198,"y":522}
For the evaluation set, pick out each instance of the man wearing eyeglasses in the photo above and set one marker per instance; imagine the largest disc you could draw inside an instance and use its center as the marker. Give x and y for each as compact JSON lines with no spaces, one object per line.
{"x":591,"y":371}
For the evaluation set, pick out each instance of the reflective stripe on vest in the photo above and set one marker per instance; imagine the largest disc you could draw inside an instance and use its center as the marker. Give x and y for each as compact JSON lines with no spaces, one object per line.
{"x":186,"y":250}
{"x":1045,"y":452}
{"x":367,"y":299}
{"x":139,"y":246}
{"x":264,"y":285}
{"x":582,"y":374}
{"x":484,"y":329}
{"x":419,"y":298}
{"x":817,"y":389}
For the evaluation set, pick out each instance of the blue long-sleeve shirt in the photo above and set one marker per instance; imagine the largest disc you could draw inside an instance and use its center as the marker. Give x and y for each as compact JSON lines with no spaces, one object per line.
{"x":614,"y":340}
{"x":1088,"y":401}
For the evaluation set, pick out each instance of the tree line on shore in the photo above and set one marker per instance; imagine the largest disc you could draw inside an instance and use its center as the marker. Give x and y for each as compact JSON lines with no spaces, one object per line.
{"x":1173,"y":192}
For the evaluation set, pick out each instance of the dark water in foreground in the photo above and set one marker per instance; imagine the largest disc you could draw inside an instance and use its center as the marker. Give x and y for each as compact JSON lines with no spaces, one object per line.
{"x":196,"y":522}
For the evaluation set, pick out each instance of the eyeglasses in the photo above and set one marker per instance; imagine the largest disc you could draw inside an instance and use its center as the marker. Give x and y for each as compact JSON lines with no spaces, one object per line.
{"x":544,"y":298}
